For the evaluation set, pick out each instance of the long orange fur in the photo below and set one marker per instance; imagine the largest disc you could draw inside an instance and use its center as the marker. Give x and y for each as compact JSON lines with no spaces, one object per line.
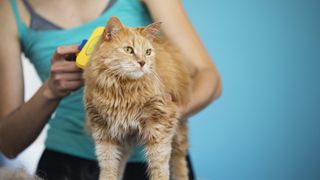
{"x":126,"y":97}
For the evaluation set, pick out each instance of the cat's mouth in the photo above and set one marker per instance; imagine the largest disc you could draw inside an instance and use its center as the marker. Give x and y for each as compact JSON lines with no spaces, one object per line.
{"x":135,"y":74}
{"x":134,"y":71}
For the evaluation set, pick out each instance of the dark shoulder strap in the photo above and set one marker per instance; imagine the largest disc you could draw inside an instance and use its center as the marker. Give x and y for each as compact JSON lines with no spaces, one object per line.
{"x":37,"y":22}
{"x":28,"y":7}
{"x":109,"y":5}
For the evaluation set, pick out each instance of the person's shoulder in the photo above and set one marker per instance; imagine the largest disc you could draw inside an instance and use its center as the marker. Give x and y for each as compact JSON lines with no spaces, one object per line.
{"x":5,"y":10}
{"x":8,"y":31}
{"x":8,"y":17}
{"x":8,"y":26}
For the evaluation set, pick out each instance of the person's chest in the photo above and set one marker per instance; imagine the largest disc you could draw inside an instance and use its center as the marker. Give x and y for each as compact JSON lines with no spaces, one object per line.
{"x":65,"y":14}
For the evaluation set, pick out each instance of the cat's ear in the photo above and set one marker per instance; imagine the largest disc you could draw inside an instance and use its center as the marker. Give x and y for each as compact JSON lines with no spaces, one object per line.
{"x":152,"y":30}
{"x":113,"y":27}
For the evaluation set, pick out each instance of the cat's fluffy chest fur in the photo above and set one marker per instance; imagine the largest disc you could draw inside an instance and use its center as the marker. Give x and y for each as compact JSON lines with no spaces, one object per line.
{"x":121,"y":104}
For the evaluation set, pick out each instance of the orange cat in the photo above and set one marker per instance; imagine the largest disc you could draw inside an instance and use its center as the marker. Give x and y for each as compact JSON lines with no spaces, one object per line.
{"x":128,"y":79}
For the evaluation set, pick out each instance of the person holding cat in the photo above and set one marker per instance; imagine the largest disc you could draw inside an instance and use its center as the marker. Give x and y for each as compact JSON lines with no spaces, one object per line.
{"x":42,"y":32}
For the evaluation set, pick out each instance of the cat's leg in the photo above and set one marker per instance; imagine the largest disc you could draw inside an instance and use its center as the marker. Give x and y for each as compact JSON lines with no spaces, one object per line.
{"x":108,"y":154}
{"x":108,"y":151}
{"x":158,"y":131}
{"x":158,"y":156}
{"x":125,"y":154}
{"x":109,"y":159}
{"x":178,"y":162}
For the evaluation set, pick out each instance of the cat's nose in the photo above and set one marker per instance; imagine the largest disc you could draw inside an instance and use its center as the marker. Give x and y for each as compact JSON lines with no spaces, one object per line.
{"x":142,"y":63}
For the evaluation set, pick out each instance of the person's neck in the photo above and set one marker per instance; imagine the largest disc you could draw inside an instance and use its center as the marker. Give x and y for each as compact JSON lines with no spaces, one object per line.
{"x":77,"y":11}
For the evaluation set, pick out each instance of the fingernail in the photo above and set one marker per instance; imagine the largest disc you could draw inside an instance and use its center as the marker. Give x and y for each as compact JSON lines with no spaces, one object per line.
{"x":59,"y":50}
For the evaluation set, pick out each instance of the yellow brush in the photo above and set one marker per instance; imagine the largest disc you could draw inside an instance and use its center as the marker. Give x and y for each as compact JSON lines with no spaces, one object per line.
{"x":86,"y":50}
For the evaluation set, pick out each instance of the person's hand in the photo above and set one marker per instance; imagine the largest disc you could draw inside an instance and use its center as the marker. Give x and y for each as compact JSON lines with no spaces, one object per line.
{"x":65,"y":76}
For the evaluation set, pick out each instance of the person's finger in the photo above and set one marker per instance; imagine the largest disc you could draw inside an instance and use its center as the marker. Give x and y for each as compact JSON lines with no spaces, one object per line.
{"x":64,"y":50}
{"x":65,"y":67}
{"x":69,"y":85}
{"x":68,"y":76}
{"x":167,"y":97}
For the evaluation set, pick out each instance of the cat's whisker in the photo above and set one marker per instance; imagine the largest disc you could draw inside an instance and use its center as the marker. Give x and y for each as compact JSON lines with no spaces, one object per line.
{"x":155,"y":75}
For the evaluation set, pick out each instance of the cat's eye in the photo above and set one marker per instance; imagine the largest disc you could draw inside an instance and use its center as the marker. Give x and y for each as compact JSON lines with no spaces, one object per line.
{"x":128,"y":50}
{"x":148,"y":52}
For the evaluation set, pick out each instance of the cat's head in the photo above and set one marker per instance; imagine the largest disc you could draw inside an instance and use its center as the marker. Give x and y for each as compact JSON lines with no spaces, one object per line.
{"x":127,"y":52}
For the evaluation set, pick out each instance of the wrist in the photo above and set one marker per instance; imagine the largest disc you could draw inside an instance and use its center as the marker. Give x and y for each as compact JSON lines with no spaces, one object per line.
{"x":48,"y":93}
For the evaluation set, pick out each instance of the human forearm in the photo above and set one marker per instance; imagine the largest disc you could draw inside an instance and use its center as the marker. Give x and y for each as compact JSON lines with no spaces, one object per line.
{"x":206,"y":88}
{"x":22,"y":126}
{"x":179,"y":30}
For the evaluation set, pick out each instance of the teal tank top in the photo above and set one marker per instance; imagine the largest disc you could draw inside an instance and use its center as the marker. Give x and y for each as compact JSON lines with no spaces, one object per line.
{"x":66,"y":131}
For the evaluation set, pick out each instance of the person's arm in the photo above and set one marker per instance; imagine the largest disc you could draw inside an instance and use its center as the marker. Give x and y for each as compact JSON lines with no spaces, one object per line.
{"x":178,"y":29}
{"x":21,"y":123}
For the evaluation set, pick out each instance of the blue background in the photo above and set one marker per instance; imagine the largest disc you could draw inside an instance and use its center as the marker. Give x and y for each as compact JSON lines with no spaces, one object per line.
{"x":266,"y":125}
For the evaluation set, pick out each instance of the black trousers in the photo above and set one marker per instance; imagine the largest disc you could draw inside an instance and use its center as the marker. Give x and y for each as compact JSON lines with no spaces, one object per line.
{"x":58,"y":166}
